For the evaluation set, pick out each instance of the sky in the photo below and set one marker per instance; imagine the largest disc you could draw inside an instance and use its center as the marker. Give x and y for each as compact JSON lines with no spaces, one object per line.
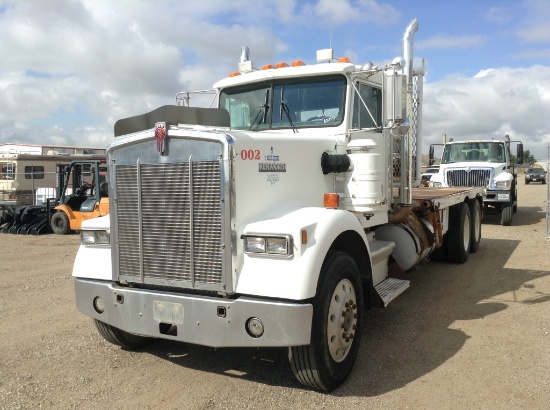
{"x":69,"y":69}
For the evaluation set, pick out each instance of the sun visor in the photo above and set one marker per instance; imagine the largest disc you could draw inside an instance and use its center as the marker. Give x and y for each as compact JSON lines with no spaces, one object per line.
{"x":173,"y":114}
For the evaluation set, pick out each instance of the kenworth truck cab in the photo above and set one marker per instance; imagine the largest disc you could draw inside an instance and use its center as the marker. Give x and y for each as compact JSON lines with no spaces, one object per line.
{"x":482,"y":163}
{"x":274,"y":219}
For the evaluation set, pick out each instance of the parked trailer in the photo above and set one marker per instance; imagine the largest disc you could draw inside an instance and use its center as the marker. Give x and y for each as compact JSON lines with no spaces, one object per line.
{"x":275,"y":219}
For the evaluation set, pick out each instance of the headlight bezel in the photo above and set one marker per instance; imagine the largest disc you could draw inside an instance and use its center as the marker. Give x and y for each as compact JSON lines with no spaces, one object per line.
{"x":95,"y":237}
{"x":268,"y":245}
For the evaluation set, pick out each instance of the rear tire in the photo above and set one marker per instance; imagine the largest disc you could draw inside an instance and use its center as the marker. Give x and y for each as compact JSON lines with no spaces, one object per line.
{"x":60,"y":223}
{"x":336,"y":328}
{"x":120,"y":337}
{"x":459,"y":238}
{"x":506,"y":215}
{"x":475,"y":230}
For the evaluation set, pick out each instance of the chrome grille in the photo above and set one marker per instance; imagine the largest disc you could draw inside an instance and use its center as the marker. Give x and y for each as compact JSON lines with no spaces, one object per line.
{"x":180,"y":219}
{"x":471,"y":178}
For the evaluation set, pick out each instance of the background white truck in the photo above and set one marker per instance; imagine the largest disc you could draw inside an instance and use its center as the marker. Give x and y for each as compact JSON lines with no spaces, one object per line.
{"x":482,"y":163}
{"x":275,"y":219}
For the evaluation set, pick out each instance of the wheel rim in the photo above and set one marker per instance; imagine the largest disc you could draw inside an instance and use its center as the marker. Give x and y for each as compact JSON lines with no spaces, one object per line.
{"x":466,"y":237}
{"x":342,"y":320}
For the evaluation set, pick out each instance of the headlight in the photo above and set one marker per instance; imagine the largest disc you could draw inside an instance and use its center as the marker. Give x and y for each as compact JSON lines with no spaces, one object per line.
{"x":101,"y":237}
{"x":435,"y":184}
{"x":254,"y":244}
{"x":278,"y":246}
{"x":502,"y":184}
{"x":268,"y":244}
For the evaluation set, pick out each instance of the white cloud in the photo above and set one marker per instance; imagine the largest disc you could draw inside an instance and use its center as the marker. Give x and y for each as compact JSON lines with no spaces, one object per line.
{"x":92,"y":62}
{"x":442,"y":42}
{"x":536,"y":32}
{"x":499,"y":14}
{"x":491,"y":104}
{"x":337,"y":12}
{"x":534,"y":26}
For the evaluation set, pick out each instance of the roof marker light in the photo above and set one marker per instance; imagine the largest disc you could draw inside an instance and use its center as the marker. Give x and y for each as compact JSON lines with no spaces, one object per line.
{"x":267,"y":67}
{"x":297,"y":63}
{"x":234,"y":74}
{"x":281,"y":65}
{"x":344,"y":60}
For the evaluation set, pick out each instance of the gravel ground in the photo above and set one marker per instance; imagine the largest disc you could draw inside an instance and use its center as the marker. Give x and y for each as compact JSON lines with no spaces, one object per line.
{"x":462,"y":337}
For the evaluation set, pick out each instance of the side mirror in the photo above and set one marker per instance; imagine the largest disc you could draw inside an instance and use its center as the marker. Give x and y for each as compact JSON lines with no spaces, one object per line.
{"x":431,"y":155}
{"x":400,"y":128}
{"x":520,"y":154}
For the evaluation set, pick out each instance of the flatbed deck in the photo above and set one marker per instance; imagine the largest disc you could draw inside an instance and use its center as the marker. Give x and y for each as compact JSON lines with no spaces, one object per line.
{"x":444,"y":197}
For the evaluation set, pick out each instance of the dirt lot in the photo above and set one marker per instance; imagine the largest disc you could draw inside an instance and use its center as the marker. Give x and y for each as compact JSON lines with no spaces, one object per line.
{"x":462,"y":337}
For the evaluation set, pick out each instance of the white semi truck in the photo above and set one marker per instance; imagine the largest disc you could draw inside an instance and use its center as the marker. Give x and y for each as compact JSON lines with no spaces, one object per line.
{"x":275,"y":219}
{"x":482,"y":163}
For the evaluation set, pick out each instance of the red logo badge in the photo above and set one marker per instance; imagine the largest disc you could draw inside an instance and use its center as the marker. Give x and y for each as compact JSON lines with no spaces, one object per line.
{"x":160,"y":136}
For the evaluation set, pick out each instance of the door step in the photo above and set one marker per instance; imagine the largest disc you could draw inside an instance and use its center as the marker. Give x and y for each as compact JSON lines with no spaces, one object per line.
{"x":380,"y":251}
{"x":390,"y":288}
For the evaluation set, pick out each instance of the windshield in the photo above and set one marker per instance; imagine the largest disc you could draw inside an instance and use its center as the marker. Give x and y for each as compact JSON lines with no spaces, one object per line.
{"x":474,"y":152}
{"x":288,"y":103}
{"x":536,"y":171}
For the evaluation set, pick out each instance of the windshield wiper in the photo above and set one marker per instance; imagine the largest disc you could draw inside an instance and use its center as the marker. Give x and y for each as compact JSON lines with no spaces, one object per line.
{"x":263,"y":111}
{"x":284,"y":108}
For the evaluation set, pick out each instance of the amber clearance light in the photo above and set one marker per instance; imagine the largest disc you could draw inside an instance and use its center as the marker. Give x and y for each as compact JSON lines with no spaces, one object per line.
{"x":331,"y":200}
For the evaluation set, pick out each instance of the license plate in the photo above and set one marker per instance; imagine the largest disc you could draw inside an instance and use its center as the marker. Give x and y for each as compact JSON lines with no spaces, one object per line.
{"x":166,"y":312}
{"x":503,"y":197}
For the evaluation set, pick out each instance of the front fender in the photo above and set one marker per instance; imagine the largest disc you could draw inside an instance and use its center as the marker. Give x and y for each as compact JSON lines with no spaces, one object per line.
{"x":295,"y":278}
{"x":94,"y":261}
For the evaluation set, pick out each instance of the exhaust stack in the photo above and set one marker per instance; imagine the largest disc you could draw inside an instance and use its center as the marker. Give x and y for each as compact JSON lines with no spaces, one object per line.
{"x":408,"y":38}
{"x":407,"y":141}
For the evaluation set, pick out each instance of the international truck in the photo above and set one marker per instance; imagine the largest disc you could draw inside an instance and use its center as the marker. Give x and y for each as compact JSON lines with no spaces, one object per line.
{"x":275,"y":219}
{"x":482,"y":163}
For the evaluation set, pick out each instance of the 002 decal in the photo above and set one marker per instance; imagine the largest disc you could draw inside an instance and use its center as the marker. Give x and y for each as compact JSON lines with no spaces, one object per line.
{"x":250,"y":154}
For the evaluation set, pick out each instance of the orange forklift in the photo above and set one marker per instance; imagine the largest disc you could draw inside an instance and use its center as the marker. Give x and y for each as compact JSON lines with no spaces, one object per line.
{"x":83,"y":194}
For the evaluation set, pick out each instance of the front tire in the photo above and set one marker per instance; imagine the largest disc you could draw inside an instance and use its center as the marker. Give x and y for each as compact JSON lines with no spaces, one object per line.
{"x":120,"y":337}
{"x":60,"y":223}
{"x":459,"y":238}
{"x":336,"y":329}
{"x":506,"y":215}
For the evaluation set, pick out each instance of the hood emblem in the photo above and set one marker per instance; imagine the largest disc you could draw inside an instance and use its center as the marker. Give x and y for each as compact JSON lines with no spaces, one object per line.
{"x":160,"y":136}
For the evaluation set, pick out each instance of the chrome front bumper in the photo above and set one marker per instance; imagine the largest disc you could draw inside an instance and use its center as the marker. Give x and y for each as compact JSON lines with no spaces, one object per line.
{"x":201,"y":320}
